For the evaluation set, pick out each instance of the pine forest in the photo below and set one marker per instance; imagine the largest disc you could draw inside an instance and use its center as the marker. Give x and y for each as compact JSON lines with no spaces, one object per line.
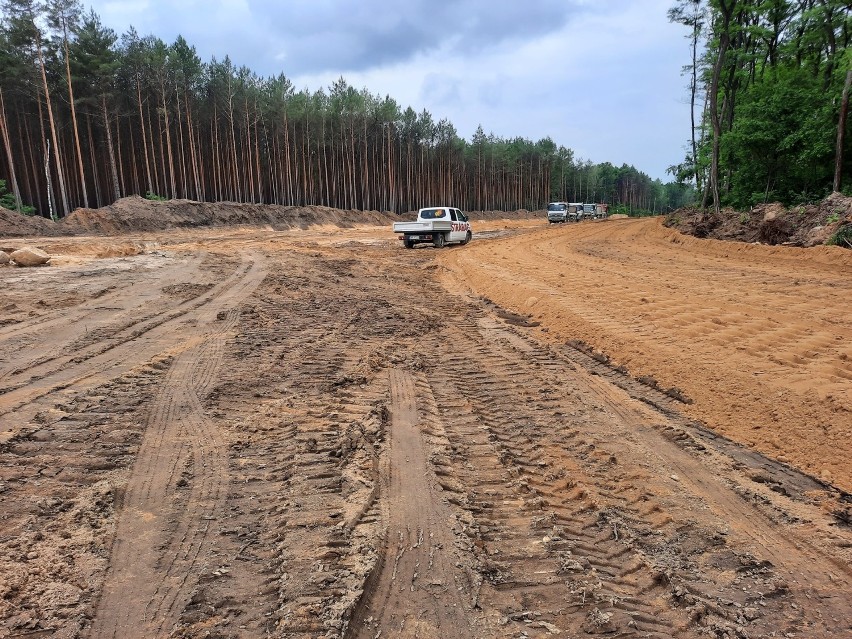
{"x":88,"y":116}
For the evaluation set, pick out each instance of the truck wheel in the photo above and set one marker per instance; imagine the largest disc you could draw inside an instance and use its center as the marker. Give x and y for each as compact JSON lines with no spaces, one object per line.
{"x":439,"y":240}
{"x":467,"y":238}
{"x":409,"y":244}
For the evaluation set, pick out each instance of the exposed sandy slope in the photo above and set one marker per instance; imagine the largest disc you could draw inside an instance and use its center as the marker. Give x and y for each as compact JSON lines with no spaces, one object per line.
{"x":135,"y":214}
{"x":772,"y":223}
{"x":13,"y":224}
{"x":757,"y":337}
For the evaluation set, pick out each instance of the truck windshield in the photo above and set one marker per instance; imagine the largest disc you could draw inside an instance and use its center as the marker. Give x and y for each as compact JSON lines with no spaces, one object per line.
{"x":556,"y":207}
{"x":433,"y":214}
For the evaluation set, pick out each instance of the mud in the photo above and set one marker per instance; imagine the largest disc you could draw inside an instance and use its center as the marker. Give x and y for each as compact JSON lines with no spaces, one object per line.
{"x":233,"y":432}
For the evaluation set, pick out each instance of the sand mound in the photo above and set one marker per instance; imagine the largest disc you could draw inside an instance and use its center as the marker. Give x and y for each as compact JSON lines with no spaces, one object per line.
{"x":135,"y":214}
{"x":13,"y":224}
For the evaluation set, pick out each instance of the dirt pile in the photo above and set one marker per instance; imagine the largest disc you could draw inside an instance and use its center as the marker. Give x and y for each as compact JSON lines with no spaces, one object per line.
{"x":136,"y":214}
{"x":806,"y":225}
{"x":13,"y":224}
{"x":522,"y":214}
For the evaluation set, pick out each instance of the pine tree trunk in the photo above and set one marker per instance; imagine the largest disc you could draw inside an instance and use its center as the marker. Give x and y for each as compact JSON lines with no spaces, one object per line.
{"x":156,"y":182}
{"x":93,"y":160}
{"x":841,"y":133}
{"x":172,"y":181}
{"x":133,"y":164}
{"x":142,"y":127}
{"x":74,"y":124}
{"x":233,"y":173}
{"x":193,"y":156}
{"x":49,"y":202}
{"x":7,"y":145}
{"x":258,"y":172}
{"x":248,"y":163}
{"x":120,"y":162}
{"x":31,"y":174}
{"x":56,"y":152}
{"x":181,"y":148}
{"x":110,"y":150}
{"x":217,"y":159}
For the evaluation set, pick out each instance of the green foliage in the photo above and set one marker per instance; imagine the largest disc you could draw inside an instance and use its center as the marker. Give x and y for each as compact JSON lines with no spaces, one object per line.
{"x":745,"y":218}
{"x":778,"y":96}
{"x":7,"y":201}
{"x":782,"y":140}
{"x":842,"y":238}
{"x":94,"y":60}
{"x":154,"y":197}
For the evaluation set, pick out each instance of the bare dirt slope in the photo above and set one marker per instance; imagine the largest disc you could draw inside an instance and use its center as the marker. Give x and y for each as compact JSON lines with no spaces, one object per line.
{"x":757,"y":337}
{"x":244,"y":433}
{"x":771,"y":223}
{"x":14,"y":224}
{"x":135,"y":214}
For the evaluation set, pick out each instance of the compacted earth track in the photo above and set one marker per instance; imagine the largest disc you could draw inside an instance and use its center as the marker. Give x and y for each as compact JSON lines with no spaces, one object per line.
{"x":246,"y":434}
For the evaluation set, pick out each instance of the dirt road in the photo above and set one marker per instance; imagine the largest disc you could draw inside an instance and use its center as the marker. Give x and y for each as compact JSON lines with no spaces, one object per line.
{"x":244,"y":433}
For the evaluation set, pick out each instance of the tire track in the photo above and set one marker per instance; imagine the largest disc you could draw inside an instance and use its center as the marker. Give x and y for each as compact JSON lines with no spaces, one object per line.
{"x":547,"y":556}
{"x":417,"y":591}
{"x":303,"y":517}
{"x":177,"y":487}
{"x":130,"y":346}
{"x":51,"y":338}
{"x":582,"y":480}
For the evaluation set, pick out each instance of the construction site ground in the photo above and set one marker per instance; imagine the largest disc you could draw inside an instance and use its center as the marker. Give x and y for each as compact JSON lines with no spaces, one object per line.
{"x":598,"y":429}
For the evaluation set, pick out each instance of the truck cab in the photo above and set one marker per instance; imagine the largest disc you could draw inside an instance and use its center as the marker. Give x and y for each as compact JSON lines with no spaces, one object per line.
{"x":575,"y":212}
{"x":557,"y":212}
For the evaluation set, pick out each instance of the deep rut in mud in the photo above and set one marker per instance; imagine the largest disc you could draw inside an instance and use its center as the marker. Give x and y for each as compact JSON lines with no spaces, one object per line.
{"x":316,"y":442}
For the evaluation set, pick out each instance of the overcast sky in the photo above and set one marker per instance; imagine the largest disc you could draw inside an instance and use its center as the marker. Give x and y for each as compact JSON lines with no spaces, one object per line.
{"x":602,"y":77}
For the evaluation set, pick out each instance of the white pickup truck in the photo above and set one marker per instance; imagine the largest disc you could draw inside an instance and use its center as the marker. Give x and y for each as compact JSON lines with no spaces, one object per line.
{"x":438,"y":225}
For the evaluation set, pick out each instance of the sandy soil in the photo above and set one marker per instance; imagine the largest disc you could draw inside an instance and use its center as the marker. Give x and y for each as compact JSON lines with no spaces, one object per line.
{"x":237,"y":432}
{"x":755,"y":337}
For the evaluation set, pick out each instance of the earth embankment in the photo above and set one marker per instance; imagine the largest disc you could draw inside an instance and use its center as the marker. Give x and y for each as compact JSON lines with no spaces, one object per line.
{"x":135,"y":214}
{"x":756,"y":337}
